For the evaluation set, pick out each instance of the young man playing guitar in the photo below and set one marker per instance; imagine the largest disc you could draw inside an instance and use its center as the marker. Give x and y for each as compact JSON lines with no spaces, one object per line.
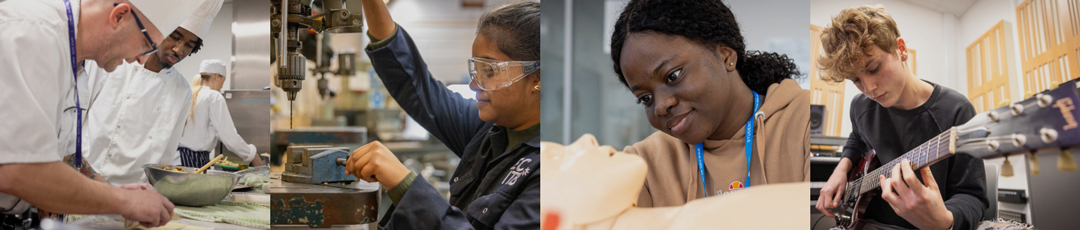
{"x":895,"y":114}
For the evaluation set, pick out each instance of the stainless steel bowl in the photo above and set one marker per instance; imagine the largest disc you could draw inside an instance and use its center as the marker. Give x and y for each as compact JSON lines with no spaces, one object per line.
{"x":189,"y":189}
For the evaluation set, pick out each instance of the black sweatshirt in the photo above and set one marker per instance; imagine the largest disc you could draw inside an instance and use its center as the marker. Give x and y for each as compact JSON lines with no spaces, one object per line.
{"x":891,"y":132}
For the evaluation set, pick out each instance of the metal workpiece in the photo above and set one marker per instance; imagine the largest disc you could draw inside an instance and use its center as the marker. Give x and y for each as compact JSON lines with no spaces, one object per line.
{"x":320,"y":206}
{"x":317,"y":165}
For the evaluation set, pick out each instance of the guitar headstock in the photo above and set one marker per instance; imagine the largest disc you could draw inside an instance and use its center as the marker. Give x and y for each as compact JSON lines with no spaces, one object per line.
{"x":1047,"y":120}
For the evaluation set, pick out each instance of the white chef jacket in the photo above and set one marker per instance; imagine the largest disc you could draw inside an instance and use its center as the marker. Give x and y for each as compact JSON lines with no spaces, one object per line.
{"x":213,"y":122}
{"x":134,"y":117}
{"x":35,"y":68}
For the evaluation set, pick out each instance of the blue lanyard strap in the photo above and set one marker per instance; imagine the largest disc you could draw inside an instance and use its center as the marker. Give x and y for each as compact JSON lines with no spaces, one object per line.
{"x":700,"y":149}
{"x":75,"y":73}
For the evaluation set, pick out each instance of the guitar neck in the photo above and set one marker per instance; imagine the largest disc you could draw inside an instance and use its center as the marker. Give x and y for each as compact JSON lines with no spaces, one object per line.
{"x":930,"y":152}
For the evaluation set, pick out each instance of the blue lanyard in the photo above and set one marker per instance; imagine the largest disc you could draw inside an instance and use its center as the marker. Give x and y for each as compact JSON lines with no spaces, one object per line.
{"x":75,"y":74}
{"x":749,"y":147}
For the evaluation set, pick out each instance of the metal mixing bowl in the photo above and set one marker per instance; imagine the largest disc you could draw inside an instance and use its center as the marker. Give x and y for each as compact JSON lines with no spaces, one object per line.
{"x":189,"y":189}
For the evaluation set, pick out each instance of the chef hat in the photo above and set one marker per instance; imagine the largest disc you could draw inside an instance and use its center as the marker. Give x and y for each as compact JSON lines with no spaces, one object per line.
{"x":165,"y":15}
{"x":212,"y":66}
{"x":202,"y":16}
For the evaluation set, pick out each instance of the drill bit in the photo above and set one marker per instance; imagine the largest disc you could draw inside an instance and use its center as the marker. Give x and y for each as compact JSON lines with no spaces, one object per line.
{"x":290,"y":114}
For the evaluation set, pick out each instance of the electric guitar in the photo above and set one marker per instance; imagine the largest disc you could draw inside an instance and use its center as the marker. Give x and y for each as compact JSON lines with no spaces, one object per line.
{"x":1046,"y":121}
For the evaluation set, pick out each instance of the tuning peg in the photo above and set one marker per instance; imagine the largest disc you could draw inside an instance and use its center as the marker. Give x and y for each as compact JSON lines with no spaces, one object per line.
{"x":1028,"y":94}
{"x":1019,"y":140}
{"x":992,"y":115}
{"x":1043,"y":99}
{"x":1006,"y":169}
{"x":1048,"y":135}
{"x":992,"y":145}
{"x":1034,"y":164}
{"x":1004,"y":103}
{"x":1053,"y":84}
{"x":1017,"y":109}
{"x":1066,"y":162}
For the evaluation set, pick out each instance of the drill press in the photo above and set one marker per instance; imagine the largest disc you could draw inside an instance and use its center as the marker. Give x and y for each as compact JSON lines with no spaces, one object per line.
{"x":288,"y":19}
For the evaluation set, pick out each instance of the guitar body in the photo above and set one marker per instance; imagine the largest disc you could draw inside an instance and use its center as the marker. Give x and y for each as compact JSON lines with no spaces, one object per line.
{"x":855,"y":201}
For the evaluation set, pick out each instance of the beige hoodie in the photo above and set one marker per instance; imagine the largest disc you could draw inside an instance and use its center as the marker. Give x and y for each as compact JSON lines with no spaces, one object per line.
{"x":781,"y":153}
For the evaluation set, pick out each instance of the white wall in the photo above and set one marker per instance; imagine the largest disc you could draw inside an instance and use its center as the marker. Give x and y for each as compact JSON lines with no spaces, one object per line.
{"x":217,"y":44}
{"x":921,"y":28}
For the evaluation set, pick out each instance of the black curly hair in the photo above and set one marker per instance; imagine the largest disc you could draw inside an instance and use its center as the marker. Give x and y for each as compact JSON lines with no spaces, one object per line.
{"x":198,"y":46}
{"x":707,"y":22}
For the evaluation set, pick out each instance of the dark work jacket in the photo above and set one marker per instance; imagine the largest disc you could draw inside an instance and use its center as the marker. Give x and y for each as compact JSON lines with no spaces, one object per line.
{"x":491,"y":189}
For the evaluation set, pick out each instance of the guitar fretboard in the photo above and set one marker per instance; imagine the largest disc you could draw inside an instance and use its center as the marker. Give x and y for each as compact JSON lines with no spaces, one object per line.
{"x":930,"y":152}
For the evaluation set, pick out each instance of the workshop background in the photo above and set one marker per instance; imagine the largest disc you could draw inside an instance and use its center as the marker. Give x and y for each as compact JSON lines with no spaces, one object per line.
{"x":342,"y":103}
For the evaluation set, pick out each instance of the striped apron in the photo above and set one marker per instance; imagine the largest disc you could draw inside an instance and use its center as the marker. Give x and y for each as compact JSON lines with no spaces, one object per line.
{"x":192,"y":158}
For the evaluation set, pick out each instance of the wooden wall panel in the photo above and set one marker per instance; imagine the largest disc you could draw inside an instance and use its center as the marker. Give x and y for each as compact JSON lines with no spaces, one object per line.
{"x":1049,"y":32}
{"x":988,"y":69}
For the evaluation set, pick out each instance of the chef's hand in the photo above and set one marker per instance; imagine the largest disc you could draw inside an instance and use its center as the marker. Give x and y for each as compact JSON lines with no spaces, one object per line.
{"x":139,"y":186}
{"x":257,"y":161}
{"x":146,"y":206}
{"x":918,"y":203}
{"x":375,"y":163}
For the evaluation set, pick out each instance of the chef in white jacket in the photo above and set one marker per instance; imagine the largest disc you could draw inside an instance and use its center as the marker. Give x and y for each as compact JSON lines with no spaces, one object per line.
{"x":210,"y":121}
{"x":43,"y":45}
{"x":136,"y":113}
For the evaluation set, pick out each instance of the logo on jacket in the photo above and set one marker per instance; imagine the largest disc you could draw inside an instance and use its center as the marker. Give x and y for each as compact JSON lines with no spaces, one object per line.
{"x":517,"y":171}
{"x":733,"y":187}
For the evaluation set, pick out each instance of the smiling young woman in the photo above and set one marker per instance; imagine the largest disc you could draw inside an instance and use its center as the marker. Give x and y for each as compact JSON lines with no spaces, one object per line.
{"x":727,"y":117}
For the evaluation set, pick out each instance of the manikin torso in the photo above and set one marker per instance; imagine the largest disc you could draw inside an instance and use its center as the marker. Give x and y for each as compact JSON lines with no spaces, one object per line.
{"x":595,"y":187}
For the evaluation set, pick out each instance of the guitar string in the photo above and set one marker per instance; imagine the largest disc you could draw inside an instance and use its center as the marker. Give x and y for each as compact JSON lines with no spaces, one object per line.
{"x":872,"y":182}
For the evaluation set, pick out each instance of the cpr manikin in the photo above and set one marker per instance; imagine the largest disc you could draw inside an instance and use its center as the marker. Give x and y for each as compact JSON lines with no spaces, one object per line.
{"x":595,"y":187}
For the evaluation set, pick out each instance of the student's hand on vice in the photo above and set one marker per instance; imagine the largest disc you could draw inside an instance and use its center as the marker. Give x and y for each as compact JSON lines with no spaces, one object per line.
{"x":146,"y":206}
{"x":918,"y":203}
{"x":831,"y":194}
{"x":375,"y":163}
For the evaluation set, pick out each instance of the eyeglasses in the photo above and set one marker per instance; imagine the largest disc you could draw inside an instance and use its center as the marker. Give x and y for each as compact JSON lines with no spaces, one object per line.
{"x":153,"y":47}
{"x":491,"y":74}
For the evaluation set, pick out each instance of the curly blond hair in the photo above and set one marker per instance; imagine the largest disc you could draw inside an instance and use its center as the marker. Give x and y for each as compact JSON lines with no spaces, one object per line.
{"x":850,"y":37}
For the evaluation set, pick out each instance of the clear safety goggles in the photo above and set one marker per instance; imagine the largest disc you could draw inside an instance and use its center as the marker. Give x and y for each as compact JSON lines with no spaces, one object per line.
{"x":490,"y":74}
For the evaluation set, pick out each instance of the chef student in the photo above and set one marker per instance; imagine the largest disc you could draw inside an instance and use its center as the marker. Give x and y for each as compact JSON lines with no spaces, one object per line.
{"x":136,"y":113}
{"x":43,"y":47}
{"x":209,"y":121}
{"x":497,"y":136}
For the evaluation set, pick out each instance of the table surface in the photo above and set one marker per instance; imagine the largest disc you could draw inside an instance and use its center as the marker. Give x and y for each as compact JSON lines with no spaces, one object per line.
{"x":117,"y":222}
